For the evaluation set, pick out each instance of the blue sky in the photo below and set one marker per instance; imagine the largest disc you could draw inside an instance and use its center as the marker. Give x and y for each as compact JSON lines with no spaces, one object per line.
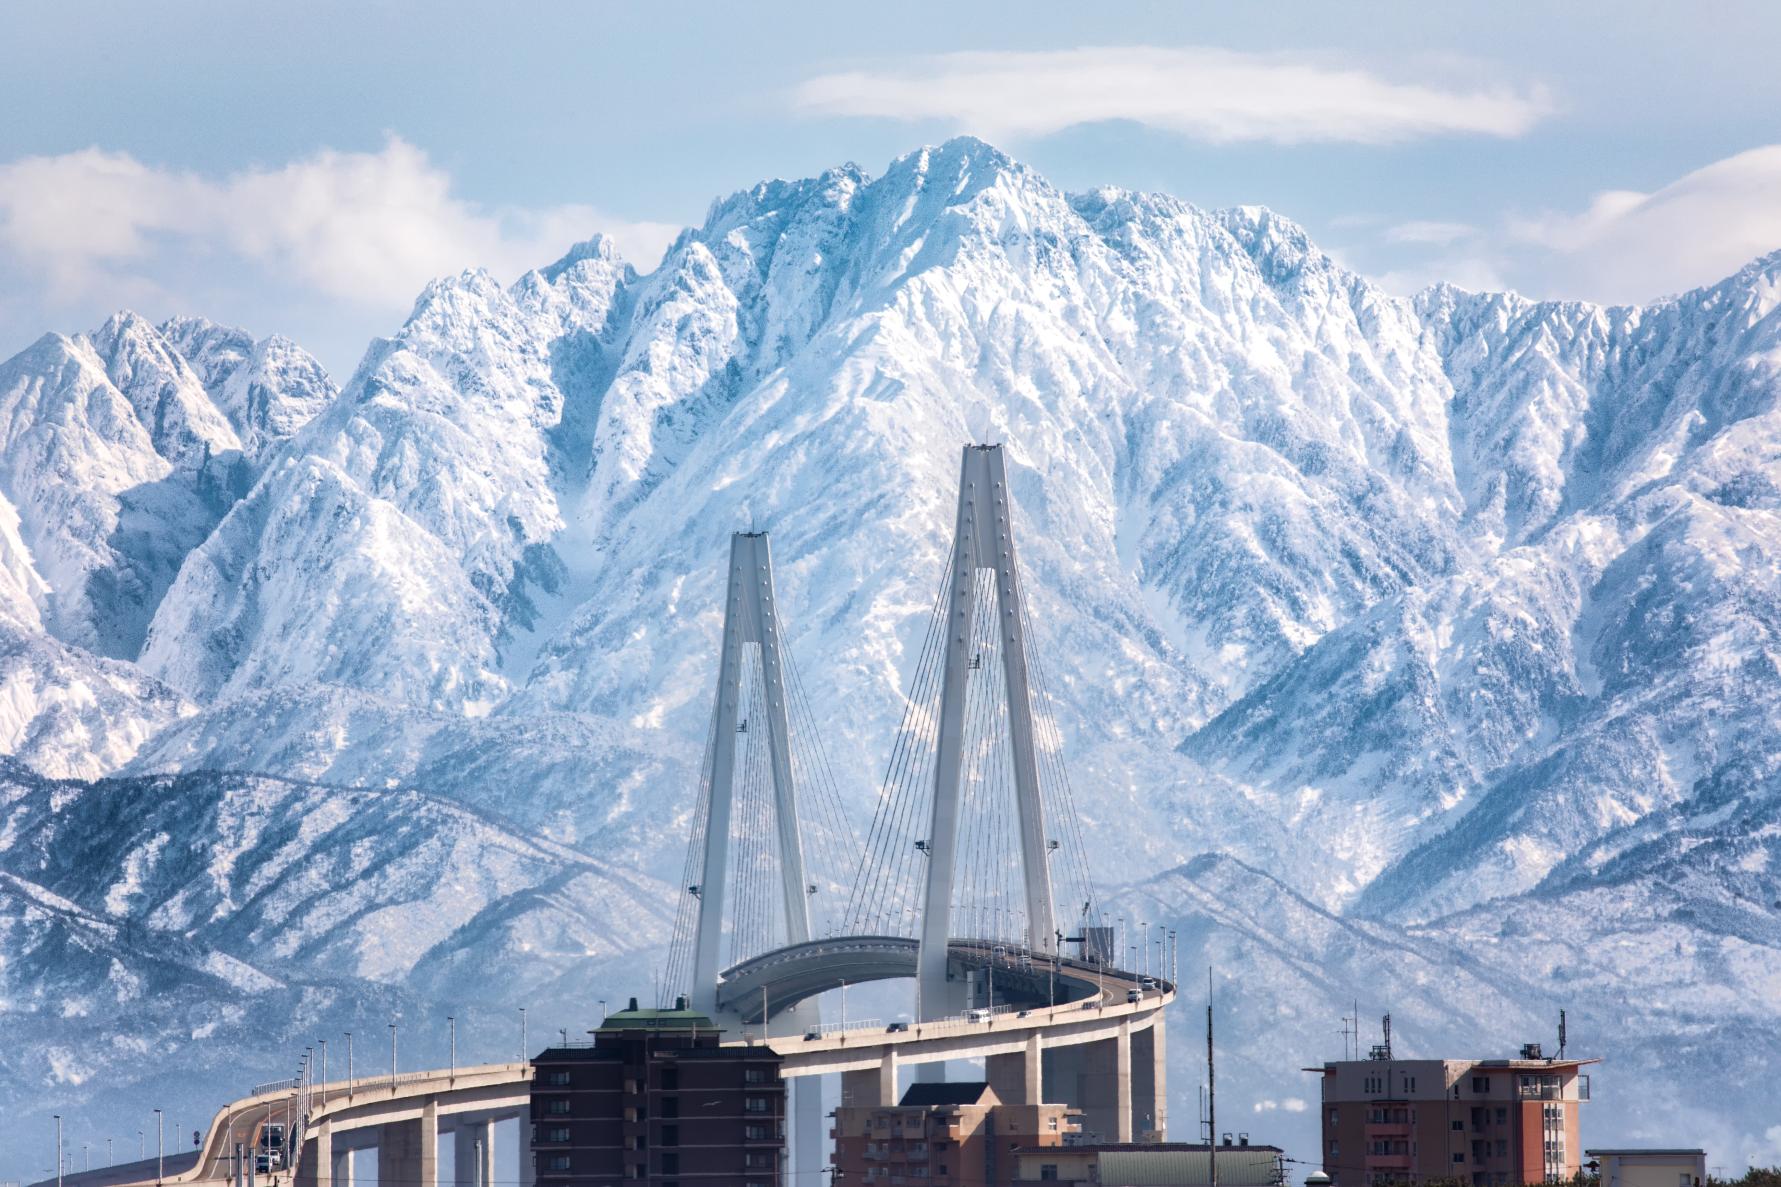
{"x":305,"y":168}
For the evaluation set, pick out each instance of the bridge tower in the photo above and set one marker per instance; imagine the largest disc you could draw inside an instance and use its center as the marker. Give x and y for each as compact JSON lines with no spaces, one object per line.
{"x":983,"y":539}
{"x":750,"y":619}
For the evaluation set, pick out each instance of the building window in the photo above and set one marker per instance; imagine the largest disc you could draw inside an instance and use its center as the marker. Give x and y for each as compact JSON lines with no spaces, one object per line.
{"x":1051,"y":1124}
{"x":670,"y":1135}
{"x":557,"y":1134}
{"x":670,"y":1079}
{"x":1332,"y":1116}
{"x":668,"y":1108}
{"x":1481,"y":1084}
{"x":1048,"y":1172}
{"x":1458,"y":1125}
{"x":754,"y":1133}
{"x":754,"y":1104}
{"x":558,"y":1078}
{"x":559,"y":1162}
{"x":670,"y":1164}
{"x":1459,"y":1158}
{"x":1409,"y":1083}
{"x":754,"y":1075}
{"x":556,"y":1107}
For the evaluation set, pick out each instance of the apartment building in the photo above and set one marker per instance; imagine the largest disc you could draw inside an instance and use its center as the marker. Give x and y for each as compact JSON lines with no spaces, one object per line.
{"x":655,"y":1098}
{"x":1489,"y":1122}
{"x":944,"y":1135}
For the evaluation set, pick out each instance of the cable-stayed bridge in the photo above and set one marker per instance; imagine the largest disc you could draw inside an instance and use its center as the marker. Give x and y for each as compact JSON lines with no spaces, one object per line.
{"x":973,"y":882}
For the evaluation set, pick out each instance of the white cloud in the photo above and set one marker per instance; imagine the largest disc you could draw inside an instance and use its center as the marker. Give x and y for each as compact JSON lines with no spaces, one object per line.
{"x":1624,"y":247}
{"x":367,"y":228}
{"x":1629,"y":246}
{"x":1216,"y":95}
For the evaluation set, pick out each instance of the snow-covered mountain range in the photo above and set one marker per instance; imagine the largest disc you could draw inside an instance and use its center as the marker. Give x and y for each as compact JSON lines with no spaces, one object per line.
{"x":1422,"y":652}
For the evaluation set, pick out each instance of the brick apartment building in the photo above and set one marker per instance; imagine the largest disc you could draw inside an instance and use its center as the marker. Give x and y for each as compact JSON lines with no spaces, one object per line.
{"x":655,"y":1099}
{"x":1490,"y":1122}
{"x":943,"y":1135}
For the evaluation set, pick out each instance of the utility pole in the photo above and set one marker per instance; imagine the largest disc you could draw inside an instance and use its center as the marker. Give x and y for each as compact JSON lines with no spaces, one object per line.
{"x":451,"y":1024}
{"x":59,"y":1149}
{"x":1211,"y":1082}
{"x":525,"y":1048}
{"x":109,"y":1160}
{"x":161,"y":1145}
{"x":323,"y":1044}
{"x":392,"y":1057}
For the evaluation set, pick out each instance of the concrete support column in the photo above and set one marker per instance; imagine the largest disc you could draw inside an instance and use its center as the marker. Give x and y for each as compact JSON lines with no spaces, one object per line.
{"x":808,"y":1158}
{"x":1122,"y":1082}
{"x":872,"y":1087}
{"x":1104,"y":1087}
{"x":343,"y":1170}
{"x":465,"y":1159}
{"x":408,"y":1151}
{"x":318,"y":1168}
{"x":1018,"y":1077}
{"x":528,"y":1167}
{"x":1150,"y":1096}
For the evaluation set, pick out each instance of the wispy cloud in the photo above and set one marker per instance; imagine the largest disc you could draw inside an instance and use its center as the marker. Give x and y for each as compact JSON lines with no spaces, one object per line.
{"x":1632,"y":246}
{"x":1216,"y":95}
{"x":369,"y":228}
{"x":1623,"y":247}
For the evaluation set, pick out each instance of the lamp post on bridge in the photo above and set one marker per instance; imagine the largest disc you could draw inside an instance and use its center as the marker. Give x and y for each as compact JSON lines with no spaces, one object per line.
{"x":451,"y":1026}
{"x":392,"y":1057}
{"x":58,"y":1150}
{"x":349,"y":1065}
{"x":160,"y":1145}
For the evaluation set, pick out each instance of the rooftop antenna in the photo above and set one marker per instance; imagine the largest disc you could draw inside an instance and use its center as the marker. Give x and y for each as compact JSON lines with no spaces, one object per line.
{"x":1387,"y":1029}
{"x":1561,"y":1034}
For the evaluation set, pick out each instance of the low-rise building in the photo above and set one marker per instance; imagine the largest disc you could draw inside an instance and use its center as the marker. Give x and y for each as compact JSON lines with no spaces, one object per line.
{"x":1488,"y":1122}
{"x":655,"y":1098}
{"x":1650,"y":1168}
{"x":944,"y":1135}
{"x":1156,"y":1164}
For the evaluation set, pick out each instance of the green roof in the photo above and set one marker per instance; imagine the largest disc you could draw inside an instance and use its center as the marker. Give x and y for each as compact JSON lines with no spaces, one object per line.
{"x":656,"y":1020}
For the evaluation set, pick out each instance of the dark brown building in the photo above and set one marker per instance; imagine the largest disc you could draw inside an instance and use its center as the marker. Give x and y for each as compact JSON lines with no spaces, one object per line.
{"x":655,"y":1098}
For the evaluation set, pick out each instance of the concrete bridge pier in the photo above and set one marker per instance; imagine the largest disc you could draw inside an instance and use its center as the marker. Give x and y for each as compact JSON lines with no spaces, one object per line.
{"x":1018,"y":1077}
{"x":1150,"y":1097}
{"x":408,"y":1151}
{"x":1097,"y":1079}
{"x":873,"y":1087}
{"x":469,"y":1169}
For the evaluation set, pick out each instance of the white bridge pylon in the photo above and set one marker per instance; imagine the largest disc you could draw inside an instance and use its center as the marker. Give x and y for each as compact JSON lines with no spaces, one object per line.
{"x":983,"y":538}
{"x":749,"y":617}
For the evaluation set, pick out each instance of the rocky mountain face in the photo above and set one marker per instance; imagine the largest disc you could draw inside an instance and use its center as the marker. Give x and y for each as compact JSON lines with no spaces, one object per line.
{"x":1416,"y":651}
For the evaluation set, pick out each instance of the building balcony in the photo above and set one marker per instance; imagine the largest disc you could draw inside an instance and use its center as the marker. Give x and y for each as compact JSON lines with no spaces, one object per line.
{"x":1541,"y":1092}
{"x":1388,"y":1162}
{"x":1388,"y":1129}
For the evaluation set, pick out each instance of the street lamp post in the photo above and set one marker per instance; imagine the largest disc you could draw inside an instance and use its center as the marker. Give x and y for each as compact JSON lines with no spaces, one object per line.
{"x":451,"y":1026}
{"x":160,"y":1145}
{"x":392,"y":1057}
{"x":109,"y":1160}
{"x":525,"y":1047}
{"x":58,"y":1150}
{"x":323,"y":1044}
{"x":349,"y":1065}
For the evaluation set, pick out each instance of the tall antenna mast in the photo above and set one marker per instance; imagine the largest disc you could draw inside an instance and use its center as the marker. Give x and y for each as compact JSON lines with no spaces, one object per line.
{"x":1211,"y":1080}
{"x":1561,"y":1034}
